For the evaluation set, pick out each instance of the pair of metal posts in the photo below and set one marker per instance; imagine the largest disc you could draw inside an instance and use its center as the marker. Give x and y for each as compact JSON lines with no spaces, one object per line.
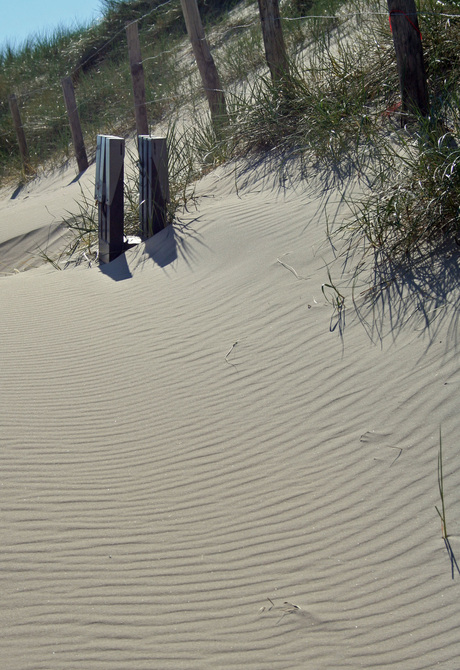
{"x":153,"y":191}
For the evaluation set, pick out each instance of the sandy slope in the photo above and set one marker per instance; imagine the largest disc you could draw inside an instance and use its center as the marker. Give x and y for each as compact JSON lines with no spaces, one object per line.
{"x":32,"y":215}
{"x":190,"y":432}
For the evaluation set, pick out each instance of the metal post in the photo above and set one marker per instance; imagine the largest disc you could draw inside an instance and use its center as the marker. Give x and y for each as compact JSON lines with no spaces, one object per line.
{"x":110,"y":152}
{"x":153,"y":184}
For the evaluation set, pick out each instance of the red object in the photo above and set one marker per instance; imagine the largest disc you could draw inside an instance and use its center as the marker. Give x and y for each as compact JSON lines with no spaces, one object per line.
{"x":391,"y":110}
{"x":399,"y":11}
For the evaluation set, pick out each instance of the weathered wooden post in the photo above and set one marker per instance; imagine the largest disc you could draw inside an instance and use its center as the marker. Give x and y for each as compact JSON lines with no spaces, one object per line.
{"x":137,"y":77}
{"x":153,"y":184}
{"x":272,"y":32}
{"x":110,"y":153}
{"x":407,"y":41}
{"x":205,"y":62}
{"x":19,"y":128}
{"x":74,"y":122}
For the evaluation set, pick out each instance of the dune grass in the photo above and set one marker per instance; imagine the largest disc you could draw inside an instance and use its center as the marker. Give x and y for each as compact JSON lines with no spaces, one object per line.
{"x":338,"y":113}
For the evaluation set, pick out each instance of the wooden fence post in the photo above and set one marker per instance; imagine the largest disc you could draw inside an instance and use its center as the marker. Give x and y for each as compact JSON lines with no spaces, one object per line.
{"x":205,"y":62}
{"x":23,"y":150}
{"x":153,"y":184}
{"x":137,"y":77}
{"x":74,"y":122}
{"x":407,"y":41}
{"x":108,"y":192}
{"x":275,"y":49}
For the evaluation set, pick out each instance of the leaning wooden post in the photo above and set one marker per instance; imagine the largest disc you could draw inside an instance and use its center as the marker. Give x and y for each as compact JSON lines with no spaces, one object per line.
{"x":407,"y":41}
{"x":153,"y":184}
{"x":23,"y":150}
{"x":275,"y":49}
{"x":205,"y":62}
{"x":137,"y":77}
{"x":74,"y":122}
{"x":108,"y":192}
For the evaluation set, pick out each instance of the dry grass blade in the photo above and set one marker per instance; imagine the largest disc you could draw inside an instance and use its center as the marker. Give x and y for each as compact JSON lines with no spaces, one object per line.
{"x":442,"y":513}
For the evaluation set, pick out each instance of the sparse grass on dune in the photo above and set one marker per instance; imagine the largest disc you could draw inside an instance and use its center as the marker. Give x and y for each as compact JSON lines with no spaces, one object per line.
{"x":96,"y":57}
{"x":337,"y":112}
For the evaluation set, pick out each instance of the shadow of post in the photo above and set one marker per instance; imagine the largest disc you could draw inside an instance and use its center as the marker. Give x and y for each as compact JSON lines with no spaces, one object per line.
{"x":162,"y":249}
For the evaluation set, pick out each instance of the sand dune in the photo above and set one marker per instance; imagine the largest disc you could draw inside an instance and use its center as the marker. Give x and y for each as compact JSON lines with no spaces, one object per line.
{"x":204,"y":467}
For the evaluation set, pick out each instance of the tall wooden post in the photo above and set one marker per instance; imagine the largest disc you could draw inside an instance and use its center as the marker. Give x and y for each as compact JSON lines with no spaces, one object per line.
{"x":153,"y":184}
{"x":205,"y":62}
{"x":19,"y":128}
{"x":275,"y":49}
{"x":407,"y":41}
{"x":74,"y":122}
{"x":108,"y":192}
{"x":137,"y":77}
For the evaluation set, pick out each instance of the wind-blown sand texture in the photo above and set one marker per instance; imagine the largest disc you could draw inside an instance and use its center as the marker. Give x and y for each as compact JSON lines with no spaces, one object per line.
{"x":203,"y":466}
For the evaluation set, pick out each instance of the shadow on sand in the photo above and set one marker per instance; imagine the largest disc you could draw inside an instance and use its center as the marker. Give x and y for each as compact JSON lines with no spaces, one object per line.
{"x":163,"y":249}
{"x":453,"y":560}
{"x":421,"y":292}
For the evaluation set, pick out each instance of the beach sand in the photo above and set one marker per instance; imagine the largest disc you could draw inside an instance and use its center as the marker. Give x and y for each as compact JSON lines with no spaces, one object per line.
{"x":203,"y":465}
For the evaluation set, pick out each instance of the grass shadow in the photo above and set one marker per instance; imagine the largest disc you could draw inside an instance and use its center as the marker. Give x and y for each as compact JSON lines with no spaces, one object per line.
{"x":284,"y":169}
{"x":419,"y":291}
{"x":453,"y":560}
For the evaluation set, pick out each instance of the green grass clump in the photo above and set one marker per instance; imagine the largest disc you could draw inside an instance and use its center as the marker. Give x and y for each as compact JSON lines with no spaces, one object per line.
{"x":417,"y":207}
{"x":330,"y":107}
{"x":337,"y":111}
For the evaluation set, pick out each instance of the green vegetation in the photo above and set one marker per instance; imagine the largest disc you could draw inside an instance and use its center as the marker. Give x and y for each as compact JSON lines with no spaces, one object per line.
{"x":96,"y":58}
{"x":338,"y":113}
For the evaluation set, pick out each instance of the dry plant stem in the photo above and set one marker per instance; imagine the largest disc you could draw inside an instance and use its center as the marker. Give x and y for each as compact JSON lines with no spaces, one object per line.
{"x":228,"y":354}
{"x":286,"y":608}
{"x":442,"y":514}
{"x":337,"y":300}
{"x":290,"y":268}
